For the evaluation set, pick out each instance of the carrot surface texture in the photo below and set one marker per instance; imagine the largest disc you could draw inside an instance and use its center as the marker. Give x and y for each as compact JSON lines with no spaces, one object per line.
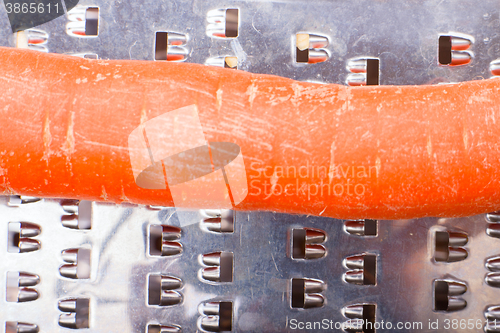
{"x":195,"y":136}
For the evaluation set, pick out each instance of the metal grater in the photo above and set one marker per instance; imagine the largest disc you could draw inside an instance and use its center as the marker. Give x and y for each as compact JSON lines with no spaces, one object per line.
{"x":100,"y":267}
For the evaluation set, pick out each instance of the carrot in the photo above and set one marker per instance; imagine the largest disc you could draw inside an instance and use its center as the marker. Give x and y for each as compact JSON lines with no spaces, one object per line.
{"x":83,"y":129}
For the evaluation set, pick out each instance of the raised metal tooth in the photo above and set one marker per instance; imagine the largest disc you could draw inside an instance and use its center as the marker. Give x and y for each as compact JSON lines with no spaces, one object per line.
{"x":68,"y":320}
{"x":457,"y":254}
{"x":445,"y":295}
{"x":18,"y":200}
{"x":353,"y":311}
{"x":27,"y":279}
{"x":70,"y":255}
{"x":210,"y":308}
{"x":364,"y":71}
{"x":86,"y":55}
{"x":305,"y":243}
{"x":79,"y":214}
{"x":457,"y":238}
{"x":33,"y":39}
{"x":354,"y":262}
{"x":356,"y":79}
{"x":361,"y":228}
{"x":79,"y":267}
{"x":357,"y":65}
{"x":27,"y":295}
{"x":69,"y":271}
{"x":84,"y":21}
{"x":230,"y":62}
{"x":17,"y":327}
{"x":456,"y":288}
{"x":493,"y":279}
{"x":495,"y":71}
{"x":160,"y":290}
{"x":313,"y":301}
{"x":211,"y":259}
{"x":17,"y":283}
{"x":456,"y":304}
{"x":317,"y":41}
{"x":493,"y":264}
{"x":492,"y":313}
{"x":315,"y":236}
{"x":223,"y":267}
{"x":211,"y":274}
{"x":305,"y":293}
{"x":354,"y":277}
{"x":170,"y":282}
{"x":216,"y":316}
{"x":310,"y":48}
{"x":459,"y":58}
{"x":363,"y":269}
{"x":314,"y":251}
{"x":164,"y":329}
{"x":29,"y":230}
{"x":460,"y":43}
{"x":493,"y":230}
{"x":168,"y":46}
{"x":452,"y":50}
{"x":223,"y":23}
{"x":313,"y":286}
{"x":161,"y":239}
{"x":494,"y":217}
{"x":67,"y":305}
{"x":170,"y":233}
{"x":77,"y":315}
{"x":209,"y":323}
{"x":170,"y":297}
{"x":171,"y":248}
{"x":28,"y":245}
{"x":447,"y":246}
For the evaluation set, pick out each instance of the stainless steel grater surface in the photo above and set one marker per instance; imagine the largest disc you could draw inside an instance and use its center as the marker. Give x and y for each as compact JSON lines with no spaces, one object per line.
{"x":101,"y":267}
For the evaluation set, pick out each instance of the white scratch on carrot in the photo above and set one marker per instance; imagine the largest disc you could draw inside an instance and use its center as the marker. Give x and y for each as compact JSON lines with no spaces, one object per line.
{"x":218,"y":100}
{"x":104,"y":195}
{"x":69,"y":145}
{"x":47,"y":139}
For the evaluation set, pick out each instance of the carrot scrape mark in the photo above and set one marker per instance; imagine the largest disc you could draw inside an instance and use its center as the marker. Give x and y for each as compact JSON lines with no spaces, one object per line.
{"x":251,"y":92}
{"x":218,"y":100}
{"x":47,"y":138}
{"x":69,"y":144}
{"x":104,"y":195}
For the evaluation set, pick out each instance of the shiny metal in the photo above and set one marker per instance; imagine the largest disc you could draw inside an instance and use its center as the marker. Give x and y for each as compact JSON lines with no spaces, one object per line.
{"x":406,"y":46}
{"x":78,"y":266}
{"x":262,"y":269}
{"x":16,"y":327}
{"x":17,"y":200}
{"x":223,"y":61}
{"x":493,"y":264}
{"x":163,"y":329}
{"x":364,"y":227}
{"x":493,"y":279}
{"x":78,"y":212}
{"x":83,"y":22}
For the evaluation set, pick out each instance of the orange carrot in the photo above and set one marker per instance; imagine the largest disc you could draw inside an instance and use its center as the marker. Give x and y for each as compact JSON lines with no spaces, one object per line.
{"x":385,"y":152}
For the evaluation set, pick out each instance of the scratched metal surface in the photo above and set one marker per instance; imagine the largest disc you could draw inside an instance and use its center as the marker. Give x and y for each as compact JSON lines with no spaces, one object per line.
{"x":402,"y":34}
{"x":404,"y":37}
{"x":260,"y":291}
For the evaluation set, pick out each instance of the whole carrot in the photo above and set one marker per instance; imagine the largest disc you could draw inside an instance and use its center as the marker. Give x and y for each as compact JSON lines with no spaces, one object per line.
{"x":107,"y":130}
